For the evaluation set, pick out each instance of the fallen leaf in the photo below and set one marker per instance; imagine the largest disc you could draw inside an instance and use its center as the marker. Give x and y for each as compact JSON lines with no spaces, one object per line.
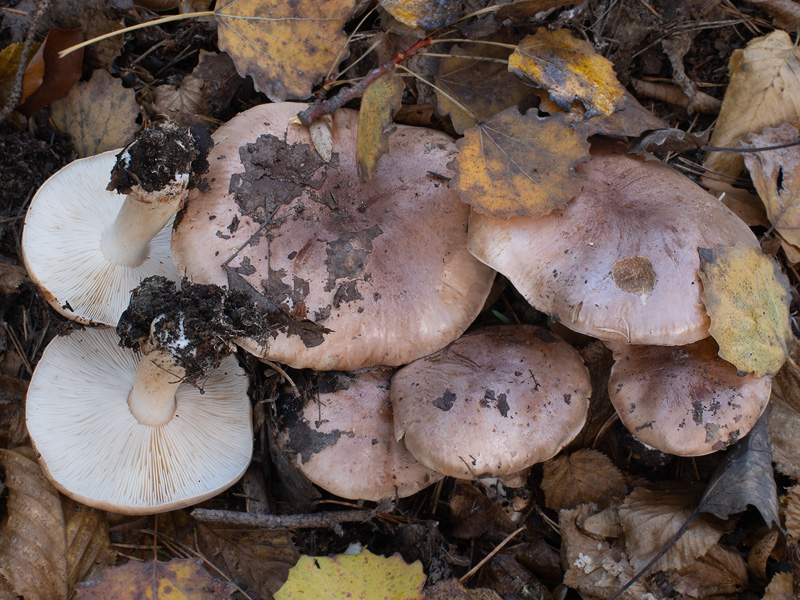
{"x":286,"y":47}
{"x":220,"y":77}
{"x":764,"y":81}
{"x":484,"y":88}
{"x":650,"y":519}
{"x":58,"y":74}
{"x":33,"y":545}
{"x":792,"y":513}
{"x":321,"y":136}
{"x":514,"y":165}
{"x":366,"y":576}
{"x":259,"y":556}
{"x":747,"y":299}
{"x":185,"y":99}
{"x":584,"y":476}
{"x":744,"y":478}
{"x":428,"y":14}
{"x":178,"y":579}
{"x":13,"y":432}
{"x":451,"y":589}
{"x":88,"y":541}
{"x":668,"y":140}
{"x":780,"y":588}
{"x":472,"y":511}
{"x":718,"y":573}
{"x":569,"y":69}
{"x":379,"y":103}
{"x":528,"y":8}
{"x":776,"y":177}
{"x":9,"y":63}
{"x":759,"y":555}
{"x":99,"y":114}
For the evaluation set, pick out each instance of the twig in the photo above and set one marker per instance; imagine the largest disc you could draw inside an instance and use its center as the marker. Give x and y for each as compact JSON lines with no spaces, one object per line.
{"x":332,"y":520}
{"x":16,"y":91}
{"x":497,"y":549}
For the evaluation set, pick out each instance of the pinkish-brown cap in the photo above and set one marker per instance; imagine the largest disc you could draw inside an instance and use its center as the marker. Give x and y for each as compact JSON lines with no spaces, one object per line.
{"x":685,"y":401}
{"x":344,"y":442}
{"x":492,"y":402}
{"x":383,"y":264}
{"x":620,"y":262}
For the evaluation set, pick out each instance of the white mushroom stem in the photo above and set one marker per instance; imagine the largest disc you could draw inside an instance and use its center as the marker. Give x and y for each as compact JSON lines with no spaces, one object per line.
{"x":141,"y":217}
{"x":152,"y":398}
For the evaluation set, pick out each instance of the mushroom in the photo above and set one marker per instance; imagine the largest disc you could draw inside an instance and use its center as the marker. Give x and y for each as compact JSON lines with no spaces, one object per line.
{"x":620,"y":261}
{"x":121,"y":432}
{"x":491,"y":403}
{"x":343,"y":441}
{"x":87,"y":247}
{"x":382,"y":264}
{"x":685,"y":401}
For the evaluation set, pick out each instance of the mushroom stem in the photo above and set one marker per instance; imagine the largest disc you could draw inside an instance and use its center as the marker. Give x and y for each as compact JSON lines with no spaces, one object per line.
{"x":141,"y":217}
{"x":152,"y":398}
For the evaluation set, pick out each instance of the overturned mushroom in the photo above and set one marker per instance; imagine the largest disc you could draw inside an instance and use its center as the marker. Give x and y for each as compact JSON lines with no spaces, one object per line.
{"x":491,"y":403}
{"x":380,"y":267}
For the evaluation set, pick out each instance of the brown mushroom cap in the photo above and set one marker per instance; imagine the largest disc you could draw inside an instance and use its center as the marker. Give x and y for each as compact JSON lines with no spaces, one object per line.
{"x":382,"y":263}
{"x":344,"y":442}
{"x":620,"y":262}
{"x":492,"y":402}
{"x":685,"y":401}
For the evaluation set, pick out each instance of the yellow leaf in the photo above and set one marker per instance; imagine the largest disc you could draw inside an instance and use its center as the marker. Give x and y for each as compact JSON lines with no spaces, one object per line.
{"x":286,"y":47}
{"x":365,"y":576}
{"x":569,"y":69}
{"x":515,"y":165}
{"x":178,"y":579}
{"x":381,"y":100}
{"x":746,"y":296}
{"x":430,"y":14}
{"x":765,"y":82}
{"x":99,"y":114}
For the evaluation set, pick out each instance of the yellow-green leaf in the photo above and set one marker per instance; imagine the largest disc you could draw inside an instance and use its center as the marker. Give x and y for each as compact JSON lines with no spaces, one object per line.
{"x":363,"y":576}
{"x":515,"y":165}
{"x":286,"y":47}
{"x":381,"y":100}
{"x":429,"y":14}
{"x":747,"y":298}
{"x":569,"y":69}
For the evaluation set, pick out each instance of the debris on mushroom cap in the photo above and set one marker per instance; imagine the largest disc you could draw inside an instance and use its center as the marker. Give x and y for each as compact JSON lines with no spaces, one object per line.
{"x":685,"y":401}
{"x":382,"y":264}
{"x":94,"y":450}
{"x":620,"y":262}
{"x":492,"y":402}
{"x":343,"y":441}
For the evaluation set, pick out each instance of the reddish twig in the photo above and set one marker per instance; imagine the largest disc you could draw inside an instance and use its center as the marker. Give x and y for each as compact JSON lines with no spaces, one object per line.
{"x":328,"y":107}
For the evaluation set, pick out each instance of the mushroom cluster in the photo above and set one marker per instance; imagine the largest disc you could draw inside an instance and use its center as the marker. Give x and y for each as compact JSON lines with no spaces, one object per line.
{"x":620,"y":262}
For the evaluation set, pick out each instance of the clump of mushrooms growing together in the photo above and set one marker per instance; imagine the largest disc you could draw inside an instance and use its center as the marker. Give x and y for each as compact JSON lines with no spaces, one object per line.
{"x":620,"y":262}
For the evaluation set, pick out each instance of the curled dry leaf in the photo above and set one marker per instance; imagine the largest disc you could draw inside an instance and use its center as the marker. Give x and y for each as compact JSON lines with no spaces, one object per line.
{"x":178,"y":579}
{"x":379,"y":103}
{"x":99,"y":114}
{"x":366,"y":576}
{"x":569,"y":69}
{"x":584,"y":476}
{"x":286,"y":47}
{"x":746,"y":296}
{"x":428,"y":14}
{"x":650,"y":518}
{"x":764,"y":83}
{"x":759,"y":555}
{"x":515,"y":165}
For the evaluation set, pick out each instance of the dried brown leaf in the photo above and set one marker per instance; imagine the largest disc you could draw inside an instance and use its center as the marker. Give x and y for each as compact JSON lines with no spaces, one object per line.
{"x":764,"y":81}
{"x":514,"y":165}
{"x":428,"y":14}
{"x":522,"y":9}
{"x":87,"y":538}
{"x":780,"y":588}
{"x":220,"y":77}
{"x":759,"y":555}
{"x":58,"y":74}
{"x":99,"y":114}
{"x":188,"y":98}
{"x":379,"y":103}
{"x":720,"y":572}
{"x":650,"y":518}
{"x":602,"y":525}
{"x":286,"y":47}
{"x":569,"y":69}
{"x":584,"y":476}
{"x":451,"y":589}
{"x":792,"y":513}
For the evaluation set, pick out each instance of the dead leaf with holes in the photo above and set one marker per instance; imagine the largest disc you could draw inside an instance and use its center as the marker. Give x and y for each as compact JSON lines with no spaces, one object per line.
{"x":378,"y":105}
{"x":584,"y":476}
{"x":99,"y":114}
{"x":260,"y":557}
{"x":484,"y":88}
{"x":366,"y":576}
{"x":178,"y":579}
{"x":569,"y":69}
{"x":428,"y":14}
{"x":746,"y":296}
{"x":776,"y":177}
{"x":514,"y":165}
{"x":764,"y":83}
{"x":286,"y":47}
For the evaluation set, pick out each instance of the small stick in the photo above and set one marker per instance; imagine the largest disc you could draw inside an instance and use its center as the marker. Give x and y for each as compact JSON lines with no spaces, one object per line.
{"x":497,"y":549}
{"x":320,"y":519}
